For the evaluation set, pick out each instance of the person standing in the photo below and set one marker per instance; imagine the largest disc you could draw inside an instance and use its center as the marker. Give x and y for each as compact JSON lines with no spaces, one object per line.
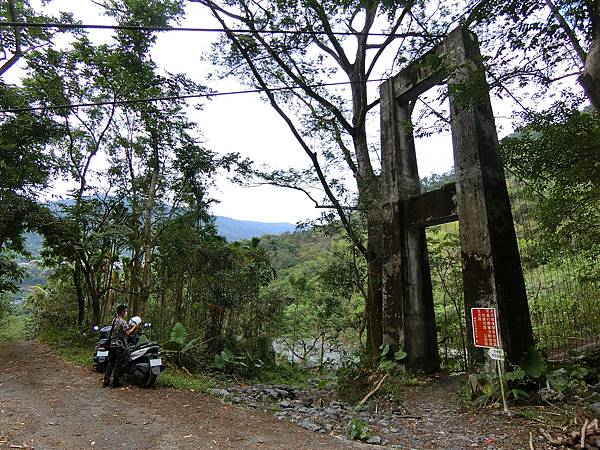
{"x":117,"y":356}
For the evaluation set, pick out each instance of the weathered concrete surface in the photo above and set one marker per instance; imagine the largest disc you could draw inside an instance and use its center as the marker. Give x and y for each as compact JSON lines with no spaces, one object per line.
{"x":407,"y":293}
{"x":492,"y":271}
{"x":433,"y":207}
{"x":490,"y":258}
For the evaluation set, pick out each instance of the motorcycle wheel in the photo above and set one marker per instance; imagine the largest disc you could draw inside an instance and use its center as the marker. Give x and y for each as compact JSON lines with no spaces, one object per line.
{"x":151,"y":380}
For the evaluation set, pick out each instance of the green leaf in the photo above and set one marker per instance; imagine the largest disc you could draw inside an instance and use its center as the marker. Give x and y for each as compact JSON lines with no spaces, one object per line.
{"x":191,"y":344}
{"x":518,"y":393}
{"x":386,"y":365}
{"x":384,"y":349}
{"x":558,"y":379}
{"x":516,"y":375}
{"x":400,"y":355}
{"x":486,"y":388}
{"x":219,"y":362}
{"x":533,"y":364}
{"x":179,"y":334}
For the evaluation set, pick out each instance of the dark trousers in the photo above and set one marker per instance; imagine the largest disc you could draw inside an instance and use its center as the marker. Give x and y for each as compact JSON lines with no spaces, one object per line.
{"x":117,"y":361}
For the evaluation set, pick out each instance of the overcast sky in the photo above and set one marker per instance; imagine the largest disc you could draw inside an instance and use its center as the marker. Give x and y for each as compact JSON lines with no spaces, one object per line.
{"x":246,"y":124}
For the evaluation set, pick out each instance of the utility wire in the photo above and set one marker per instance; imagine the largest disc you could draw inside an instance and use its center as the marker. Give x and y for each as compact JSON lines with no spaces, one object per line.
{"x":71,"y":26}
{"x":177,"y":97}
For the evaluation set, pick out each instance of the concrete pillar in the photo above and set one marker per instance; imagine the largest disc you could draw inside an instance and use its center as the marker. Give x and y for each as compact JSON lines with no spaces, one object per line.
{"x":408,"y":314}
{"x":491,"y":264}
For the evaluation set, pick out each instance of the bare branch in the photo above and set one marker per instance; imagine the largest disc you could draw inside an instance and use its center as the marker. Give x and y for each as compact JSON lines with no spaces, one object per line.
{"x":387,"y":42}
{"x":373,"y":104}
{"x":313,"y":157}
{"x":17,"y":31}
{"x":275,"y":55}
{"x":344,"y":63}
{"x":581,"y":53}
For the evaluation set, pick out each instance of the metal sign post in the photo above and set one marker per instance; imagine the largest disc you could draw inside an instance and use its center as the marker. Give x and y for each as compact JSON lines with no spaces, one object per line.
{"x":485,"y":335}
{"x":497,"y":354}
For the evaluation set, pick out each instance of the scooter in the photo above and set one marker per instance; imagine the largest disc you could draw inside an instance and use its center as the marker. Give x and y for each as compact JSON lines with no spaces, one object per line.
{"x":143,"y":359}
{"x":101,"y":350}
{"x":144,"y":363}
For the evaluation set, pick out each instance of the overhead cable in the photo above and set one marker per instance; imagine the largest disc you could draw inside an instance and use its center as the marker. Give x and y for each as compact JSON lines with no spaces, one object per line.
{"x":72,"y":26}
{"x":178,"y":97}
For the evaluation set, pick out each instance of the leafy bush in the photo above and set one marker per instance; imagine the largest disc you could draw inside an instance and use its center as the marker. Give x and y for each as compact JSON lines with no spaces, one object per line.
{"x":358,"y":430}
{"x":284,"y":372}
{"x":12,"y":328}
{"x":259,"y":348}
{"x":534,"y":374}
{"x":353,"y":378}
{"x":386,"y":363}
{"x":244,"y":365}
{"x":185,"y":350}
{"x":53,"y":309}
{"x":357,"y":373}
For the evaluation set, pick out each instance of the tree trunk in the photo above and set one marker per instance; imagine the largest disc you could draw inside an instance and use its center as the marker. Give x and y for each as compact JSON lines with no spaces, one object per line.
{"x":80,"y":296}
{"x":148,"y":244}
{"x":373,"y":306}
{"x":213,"y":334}
{"x":95,"y":298}
{"x":134,"y":294}
{"x":179,"y":298}
{"x":590,"y":78}
{"x":369,"y":189}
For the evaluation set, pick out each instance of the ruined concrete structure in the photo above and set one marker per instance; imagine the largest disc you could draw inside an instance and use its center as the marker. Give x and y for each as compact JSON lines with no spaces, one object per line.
{"x":479,"y":201}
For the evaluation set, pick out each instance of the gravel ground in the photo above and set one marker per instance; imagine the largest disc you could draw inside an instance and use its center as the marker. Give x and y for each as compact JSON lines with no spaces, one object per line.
{"x":46,"y":403}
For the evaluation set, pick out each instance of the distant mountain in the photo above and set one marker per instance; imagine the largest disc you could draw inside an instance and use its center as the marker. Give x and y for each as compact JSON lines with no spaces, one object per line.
{"x":234,"y":230}
{"x":230,"y":229}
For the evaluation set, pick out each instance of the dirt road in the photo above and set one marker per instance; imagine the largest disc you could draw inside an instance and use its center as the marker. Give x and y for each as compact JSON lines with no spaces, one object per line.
{"x":46,"y":403}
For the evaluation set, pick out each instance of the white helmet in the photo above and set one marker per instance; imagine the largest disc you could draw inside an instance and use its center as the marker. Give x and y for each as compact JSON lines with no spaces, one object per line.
{"x":135,"y":320}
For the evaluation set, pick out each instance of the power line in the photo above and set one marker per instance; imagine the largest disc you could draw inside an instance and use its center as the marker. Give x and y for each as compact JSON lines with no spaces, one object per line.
{"x":176,"y":97}
{"x":71,"y":26}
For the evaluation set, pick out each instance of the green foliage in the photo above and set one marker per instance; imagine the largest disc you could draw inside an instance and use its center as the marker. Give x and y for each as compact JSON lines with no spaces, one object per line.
{"x":12,"y":328}
{"x":533,"y":374}
{"x":354,"y":378}
{"x":443,"y":245}
{"x":180,"y":344}
{"x":260,"y":348}
{"x":283,"y":373}
{"x":533,"y":364}
{"x":244,"y":365}
{"x":387,"y":364}
{"x":537,"y":48}
{"x":79,"y":355}
{"x":5,"y":306}
{"x":181,"y":380}
{"x":437,"y":181}
{"x":543,"y":153}
{"x":179,"y":334}
{"x":53,"y":308}
{"x":358,"y":430}
{"x":323,"y":299}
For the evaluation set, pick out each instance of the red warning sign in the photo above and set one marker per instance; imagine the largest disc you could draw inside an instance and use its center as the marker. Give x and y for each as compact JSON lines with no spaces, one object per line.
{"x":485,"y":329}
